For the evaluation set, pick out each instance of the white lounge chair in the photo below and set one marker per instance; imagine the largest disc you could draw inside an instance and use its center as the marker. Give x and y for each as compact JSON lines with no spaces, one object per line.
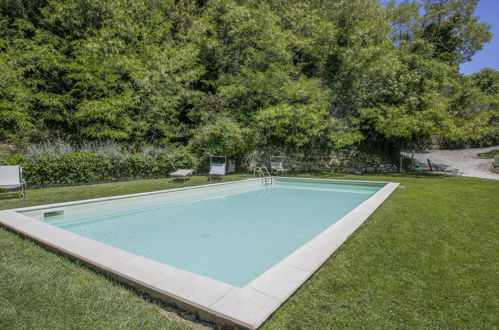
{"x":182,"y":173}
{"x":217,"y":169}
{"x":12,"y":177}
{"x":277,"y":164}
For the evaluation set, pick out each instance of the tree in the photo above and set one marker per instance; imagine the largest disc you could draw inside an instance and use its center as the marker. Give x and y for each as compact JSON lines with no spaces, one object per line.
{"x":278,"y":74}
{"x":449,"y":25}
{"x":222,"y":136}
{"x":487,"y":80}
{"x":14,"y":105}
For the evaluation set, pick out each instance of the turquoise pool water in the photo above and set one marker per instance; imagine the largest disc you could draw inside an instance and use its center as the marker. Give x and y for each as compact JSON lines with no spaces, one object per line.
{"x":231,"y":233}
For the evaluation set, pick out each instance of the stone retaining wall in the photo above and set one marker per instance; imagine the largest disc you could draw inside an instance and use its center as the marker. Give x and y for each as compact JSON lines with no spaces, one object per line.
{"x":344,"y":161}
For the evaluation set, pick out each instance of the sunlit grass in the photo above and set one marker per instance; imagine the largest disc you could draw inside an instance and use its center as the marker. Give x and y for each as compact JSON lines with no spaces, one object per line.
{"x":427,"y":258}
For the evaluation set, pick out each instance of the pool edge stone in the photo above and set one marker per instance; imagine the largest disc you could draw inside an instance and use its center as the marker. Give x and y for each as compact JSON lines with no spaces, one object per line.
{"x":248,"y":307}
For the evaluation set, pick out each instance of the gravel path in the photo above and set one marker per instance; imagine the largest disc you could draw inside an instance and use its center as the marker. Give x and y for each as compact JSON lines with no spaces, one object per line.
{"x":463,"y":162}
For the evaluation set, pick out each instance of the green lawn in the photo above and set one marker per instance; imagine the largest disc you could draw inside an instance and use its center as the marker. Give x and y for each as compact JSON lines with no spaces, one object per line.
{"x":427,"y":258}
{"x":491,"y":154}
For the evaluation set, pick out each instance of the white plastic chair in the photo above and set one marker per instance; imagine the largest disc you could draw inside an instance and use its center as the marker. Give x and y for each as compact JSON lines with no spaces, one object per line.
{"x":12,"y":177}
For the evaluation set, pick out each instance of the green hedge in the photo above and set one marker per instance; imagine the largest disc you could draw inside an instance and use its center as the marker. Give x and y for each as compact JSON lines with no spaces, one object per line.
{"x":86,"y":167}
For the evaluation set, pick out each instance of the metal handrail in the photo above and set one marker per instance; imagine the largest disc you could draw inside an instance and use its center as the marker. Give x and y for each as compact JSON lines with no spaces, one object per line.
{"x":266,"y":170}
{"x":262,"y":174}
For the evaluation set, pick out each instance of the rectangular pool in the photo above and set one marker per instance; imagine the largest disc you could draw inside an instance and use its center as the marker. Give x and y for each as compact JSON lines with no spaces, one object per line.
{"x":231,"y":251}
{"x":232,"y":234}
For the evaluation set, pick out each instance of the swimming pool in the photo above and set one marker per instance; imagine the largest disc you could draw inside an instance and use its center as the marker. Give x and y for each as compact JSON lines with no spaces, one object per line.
{"x":212,"y":246}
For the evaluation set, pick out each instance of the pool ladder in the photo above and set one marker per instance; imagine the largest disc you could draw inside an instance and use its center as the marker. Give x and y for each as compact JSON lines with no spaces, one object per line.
{"x":264,"y":174}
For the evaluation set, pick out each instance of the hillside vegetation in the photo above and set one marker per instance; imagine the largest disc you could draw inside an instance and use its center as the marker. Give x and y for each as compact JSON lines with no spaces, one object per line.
{"x":226,"y":76}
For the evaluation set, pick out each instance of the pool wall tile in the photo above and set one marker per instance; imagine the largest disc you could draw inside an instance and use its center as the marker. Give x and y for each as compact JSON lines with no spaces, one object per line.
{"x":327,"y":242}
{"x":107,"y":256}
{"x":280,"y":281}
{"x":80,"y":245}
{"x":145,"y":270}
{"x":246,"y":306}
{"x":307,"y":258}
{"x":193,"y":288}
{"x":33,"y":228}
{"x":14,"y":219}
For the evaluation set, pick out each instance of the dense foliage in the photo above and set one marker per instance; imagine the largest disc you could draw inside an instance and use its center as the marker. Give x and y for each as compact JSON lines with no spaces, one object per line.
{"x":60,"y":164}
{"x":227,"y":76}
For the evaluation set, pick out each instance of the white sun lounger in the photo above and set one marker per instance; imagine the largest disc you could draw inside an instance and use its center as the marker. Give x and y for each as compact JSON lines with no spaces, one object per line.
{"x":277,"y":164}
{"x":12,"y":177}
{"x":217,"y":169}
{"x":183,"y":173}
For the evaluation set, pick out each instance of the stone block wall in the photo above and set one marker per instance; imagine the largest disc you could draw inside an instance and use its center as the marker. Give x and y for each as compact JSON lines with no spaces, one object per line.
{"x":343,"y":161}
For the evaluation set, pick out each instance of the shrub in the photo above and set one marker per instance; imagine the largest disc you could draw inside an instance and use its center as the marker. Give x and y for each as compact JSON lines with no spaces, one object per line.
{"x":223,"y":136}
{"x":56,"y":167}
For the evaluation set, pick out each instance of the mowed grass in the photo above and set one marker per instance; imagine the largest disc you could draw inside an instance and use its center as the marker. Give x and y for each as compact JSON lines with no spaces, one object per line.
{"x":491,"y":154}
{"x":427,"y":258}
{"x":42,"y":290}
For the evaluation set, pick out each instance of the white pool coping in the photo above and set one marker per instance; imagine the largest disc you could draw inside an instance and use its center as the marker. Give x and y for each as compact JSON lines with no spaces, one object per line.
{"x":213,"y":300}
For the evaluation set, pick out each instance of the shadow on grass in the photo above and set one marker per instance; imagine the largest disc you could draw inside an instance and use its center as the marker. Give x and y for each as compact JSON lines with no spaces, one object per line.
{"x":10,"y":196}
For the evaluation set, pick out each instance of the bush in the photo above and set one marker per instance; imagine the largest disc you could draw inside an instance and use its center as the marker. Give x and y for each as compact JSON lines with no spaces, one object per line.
{"x":223,"y":136}
{"x":75,"y":167}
